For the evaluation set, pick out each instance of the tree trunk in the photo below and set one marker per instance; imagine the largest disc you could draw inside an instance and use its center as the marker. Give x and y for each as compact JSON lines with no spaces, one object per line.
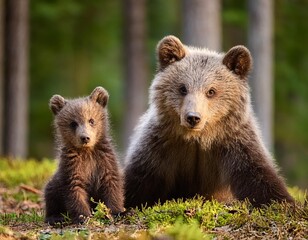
{"x":202,"y":23}
{"x":2,"y":6}
{"x":16,"y":79}
{"x":136,"y":71}
{"x":260,"y":43}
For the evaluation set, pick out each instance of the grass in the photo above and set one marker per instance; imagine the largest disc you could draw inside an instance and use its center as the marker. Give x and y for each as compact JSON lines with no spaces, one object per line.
{"x":21,"y":215}
{"x":31,"y":172}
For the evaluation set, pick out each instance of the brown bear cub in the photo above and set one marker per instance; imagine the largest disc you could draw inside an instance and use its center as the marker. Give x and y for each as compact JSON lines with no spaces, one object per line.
{"x":88,"y":166}
{"x":199,"y":135}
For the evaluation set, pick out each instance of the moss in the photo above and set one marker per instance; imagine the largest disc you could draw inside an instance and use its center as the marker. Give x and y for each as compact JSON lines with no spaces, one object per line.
{"x":31,"y":172}
{"x":177,"y":219}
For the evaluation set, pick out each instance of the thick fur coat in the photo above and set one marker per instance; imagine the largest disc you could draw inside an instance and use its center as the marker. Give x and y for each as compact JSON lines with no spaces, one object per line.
{"x":88,"y":166}
{"x":199,"y":134}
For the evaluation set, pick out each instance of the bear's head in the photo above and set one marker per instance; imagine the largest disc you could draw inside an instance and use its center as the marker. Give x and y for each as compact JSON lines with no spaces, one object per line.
{"x":201,"y":92}
{"x":80,"y":123}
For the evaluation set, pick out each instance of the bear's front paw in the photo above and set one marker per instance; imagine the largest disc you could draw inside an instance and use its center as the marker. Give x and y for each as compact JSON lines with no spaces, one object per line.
{"x":81,"y":219}
{"x":54,"y":220}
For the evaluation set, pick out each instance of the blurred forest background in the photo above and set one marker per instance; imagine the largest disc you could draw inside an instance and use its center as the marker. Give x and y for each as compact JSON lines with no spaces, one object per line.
{"x":70,"y":47}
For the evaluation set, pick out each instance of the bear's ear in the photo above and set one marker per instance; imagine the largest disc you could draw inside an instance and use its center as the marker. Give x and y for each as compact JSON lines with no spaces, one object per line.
{"x":56,"y":103}
{"x":100,"y":95}
{"x":169,"y":50}
{"x":238,"y":60}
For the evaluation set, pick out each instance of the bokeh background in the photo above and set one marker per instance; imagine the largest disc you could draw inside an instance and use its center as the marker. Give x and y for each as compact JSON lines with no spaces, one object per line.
{"x":70,"y":47}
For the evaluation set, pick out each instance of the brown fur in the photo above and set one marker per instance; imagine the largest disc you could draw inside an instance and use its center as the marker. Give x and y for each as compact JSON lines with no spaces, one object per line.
{"x":170,"y":51}
{"x":199,"y":135}
{"x":88,"y":166}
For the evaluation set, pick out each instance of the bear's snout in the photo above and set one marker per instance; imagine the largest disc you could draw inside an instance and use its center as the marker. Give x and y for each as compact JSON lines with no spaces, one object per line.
{"x":193,"y":118}
{"x":85,"y":136}
{"x":85,"y":139}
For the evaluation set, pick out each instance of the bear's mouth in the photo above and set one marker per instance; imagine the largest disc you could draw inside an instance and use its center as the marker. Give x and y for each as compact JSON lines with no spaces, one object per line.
{"x":192,"y":128}
{"x":197,"y":128}
{"x":85,"y":144}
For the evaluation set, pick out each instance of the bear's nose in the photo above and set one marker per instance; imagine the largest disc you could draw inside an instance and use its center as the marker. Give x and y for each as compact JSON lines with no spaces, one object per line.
{"x":85,"y":139}
{"x":193,"y":118}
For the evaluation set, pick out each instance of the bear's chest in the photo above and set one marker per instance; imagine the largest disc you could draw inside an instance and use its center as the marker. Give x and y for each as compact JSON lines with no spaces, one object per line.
{"x":190,"y":169}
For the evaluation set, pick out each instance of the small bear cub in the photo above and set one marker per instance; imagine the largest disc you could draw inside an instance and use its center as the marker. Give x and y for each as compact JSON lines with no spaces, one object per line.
{"x":88,"y":167}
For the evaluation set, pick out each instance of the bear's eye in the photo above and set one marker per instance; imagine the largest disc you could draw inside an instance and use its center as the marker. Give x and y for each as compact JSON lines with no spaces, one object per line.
{"x":210,"y":93}
{"x":183,"y":90}
{"x":91,"y":121}
{"x":73,"y":125}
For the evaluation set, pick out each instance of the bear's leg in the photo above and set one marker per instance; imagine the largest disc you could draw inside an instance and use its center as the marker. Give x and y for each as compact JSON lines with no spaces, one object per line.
{"x":54,"y":203}
{"x":77,"y":204}
{"x":144,"y":187}
{"x":259,"y":182}
{"x":111,"y":193}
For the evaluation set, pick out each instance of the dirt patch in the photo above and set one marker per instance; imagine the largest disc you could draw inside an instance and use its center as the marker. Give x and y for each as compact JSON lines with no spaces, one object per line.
{"x":17,"y":201}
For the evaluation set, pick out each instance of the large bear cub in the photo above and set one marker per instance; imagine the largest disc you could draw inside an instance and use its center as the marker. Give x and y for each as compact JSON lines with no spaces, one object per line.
{"x":88,"y":167}
{"x":199,"y":135}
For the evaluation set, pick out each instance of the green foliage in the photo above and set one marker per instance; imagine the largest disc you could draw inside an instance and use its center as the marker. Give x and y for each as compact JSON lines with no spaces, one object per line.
{"x":234,"y":23}
{"x":75,"y":46}
{"x":102,"y":213}
{"x":185,"y":231}
{"x":291,"y":91}
{"x":21,"y":195}
{"x":31,"y":172}
{"x":14,"y":218}
{"x":209,"y":214}
{"x":194,"y":218}
{"x":191,"y":219}
{"x":298,"y":194}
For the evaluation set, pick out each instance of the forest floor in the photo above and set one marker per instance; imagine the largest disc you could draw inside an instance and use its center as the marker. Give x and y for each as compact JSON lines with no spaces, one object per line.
{"x":22,"y":214}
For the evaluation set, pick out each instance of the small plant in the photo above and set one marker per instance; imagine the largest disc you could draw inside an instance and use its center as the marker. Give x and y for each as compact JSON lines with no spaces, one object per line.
{"x":102,"y":213}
